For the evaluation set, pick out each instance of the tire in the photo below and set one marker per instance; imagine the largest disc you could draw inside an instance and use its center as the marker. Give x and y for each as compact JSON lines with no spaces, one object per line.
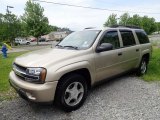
{"x":142,"y":69}
{"x":71,"y":92}
{"x":28,"y":43}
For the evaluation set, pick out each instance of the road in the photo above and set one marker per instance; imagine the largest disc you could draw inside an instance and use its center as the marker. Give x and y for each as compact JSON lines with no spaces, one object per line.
{"x":32,"y":46}
{"x":124,"y":98}
{"x":154,"y":37}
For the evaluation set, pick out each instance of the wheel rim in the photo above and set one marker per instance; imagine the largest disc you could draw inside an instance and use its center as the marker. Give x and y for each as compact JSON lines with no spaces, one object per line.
{"x":74,"y":93}
{"x":143,"y":67}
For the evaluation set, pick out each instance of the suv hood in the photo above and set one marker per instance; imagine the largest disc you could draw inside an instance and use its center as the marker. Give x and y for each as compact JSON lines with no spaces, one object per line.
{"x":45,"y":57}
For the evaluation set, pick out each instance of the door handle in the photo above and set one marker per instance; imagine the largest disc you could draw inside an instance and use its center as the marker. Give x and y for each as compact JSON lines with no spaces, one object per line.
{"x":120,"y":53}
{"x":137,"y":50}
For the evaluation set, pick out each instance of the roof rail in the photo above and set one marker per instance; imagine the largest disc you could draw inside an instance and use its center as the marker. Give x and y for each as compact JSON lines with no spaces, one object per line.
{"x":127,"y":26}
{"x":89,"y":28}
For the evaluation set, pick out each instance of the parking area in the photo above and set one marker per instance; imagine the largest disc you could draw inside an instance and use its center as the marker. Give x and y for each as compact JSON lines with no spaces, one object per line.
{"x":124,"y":98}
{"x":43,"y":43}
{"x":32,"y":46}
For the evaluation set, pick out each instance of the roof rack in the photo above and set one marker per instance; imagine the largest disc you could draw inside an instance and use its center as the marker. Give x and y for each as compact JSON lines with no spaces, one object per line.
{"x":89,"y":28}
{"x":127,"y":26}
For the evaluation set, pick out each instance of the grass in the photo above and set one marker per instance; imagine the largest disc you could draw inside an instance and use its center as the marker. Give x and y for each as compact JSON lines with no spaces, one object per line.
{"x":153,"y":73}
{"x":6,"y":92}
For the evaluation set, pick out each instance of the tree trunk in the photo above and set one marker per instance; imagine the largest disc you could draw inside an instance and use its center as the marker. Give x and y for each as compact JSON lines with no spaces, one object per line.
{"x":37,"y":41}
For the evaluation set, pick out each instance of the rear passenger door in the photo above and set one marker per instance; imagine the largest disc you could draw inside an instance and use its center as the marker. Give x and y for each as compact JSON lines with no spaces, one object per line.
{"x":130,"y":50}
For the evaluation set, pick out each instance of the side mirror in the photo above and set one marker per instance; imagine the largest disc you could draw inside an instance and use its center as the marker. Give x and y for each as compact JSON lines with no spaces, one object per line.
{"x":104,"y":47}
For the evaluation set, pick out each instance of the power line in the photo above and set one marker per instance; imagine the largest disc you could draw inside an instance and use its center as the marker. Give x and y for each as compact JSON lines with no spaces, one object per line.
{"x":87,"y":7}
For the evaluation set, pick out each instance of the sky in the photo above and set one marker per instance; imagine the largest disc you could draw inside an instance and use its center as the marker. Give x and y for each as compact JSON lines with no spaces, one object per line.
{"x":79,"y":18}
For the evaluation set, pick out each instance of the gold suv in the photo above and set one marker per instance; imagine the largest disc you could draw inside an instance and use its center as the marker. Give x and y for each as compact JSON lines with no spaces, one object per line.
{"x":65,"y":73}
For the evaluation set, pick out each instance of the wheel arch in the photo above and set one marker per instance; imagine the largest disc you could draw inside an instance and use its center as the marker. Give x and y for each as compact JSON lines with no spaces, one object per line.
{"x":147,"y":57}
{"x":83,"y":71}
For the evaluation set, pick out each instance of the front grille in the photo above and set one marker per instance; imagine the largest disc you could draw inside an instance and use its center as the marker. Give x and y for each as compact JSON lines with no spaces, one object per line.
{"x":20,"y":67}
{"x":19,"y":71}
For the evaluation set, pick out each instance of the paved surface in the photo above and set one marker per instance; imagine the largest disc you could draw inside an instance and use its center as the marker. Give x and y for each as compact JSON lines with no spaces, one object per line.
{"x":125,"y":98}
{"x":154,"y":37}
{"x":31,"y":47}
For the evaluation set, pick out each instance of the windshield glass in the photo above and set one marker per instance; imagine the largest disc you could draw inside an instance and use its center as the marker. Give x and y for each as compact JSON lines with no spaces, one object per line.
{"x":80,"y":40}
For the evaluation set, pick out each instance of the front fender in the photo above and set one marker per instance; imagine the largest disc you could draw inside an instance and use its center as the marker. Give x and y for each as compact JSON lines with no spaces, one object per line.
{"x":72,"y":67}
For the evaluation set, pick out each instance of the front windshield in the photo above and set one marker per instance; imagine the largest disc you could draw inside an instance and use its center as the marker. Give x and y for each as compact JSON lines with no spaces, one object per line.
{"x":80,"y":40}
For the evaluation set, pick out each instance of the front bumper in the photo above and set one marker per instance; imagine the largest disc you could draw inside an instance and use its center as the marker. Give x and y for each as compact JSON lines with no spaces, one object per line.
{"x":34,"y":92}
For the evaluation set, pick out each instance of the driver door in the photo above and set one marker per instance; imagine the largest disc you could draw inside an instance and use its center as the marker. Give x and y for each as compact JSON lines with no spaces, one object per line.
{"x":108,"y":63}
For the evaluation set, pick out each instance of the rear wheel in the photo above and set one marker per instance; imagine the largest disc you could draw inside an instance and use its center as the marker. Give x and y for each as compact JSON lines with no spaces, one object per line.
{"x":28,"y":43}
{"x":142,"y":67}
{"x":71,"y":92}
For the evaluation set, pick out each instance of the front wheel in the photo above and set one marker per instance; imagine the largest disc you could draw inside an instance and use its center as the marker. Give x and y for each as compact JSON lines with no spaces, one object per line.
{"x":71,"y":92}
{"x":142,"y":69}
{"x":28,"y":43}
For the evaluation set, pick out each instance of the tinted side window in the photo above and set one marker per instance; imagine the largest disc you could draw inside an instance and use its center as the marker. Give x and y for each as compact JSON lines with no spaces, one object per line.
{"x":142,"y":37}
{"x":127,"y":38}
{"x":111,"y":37}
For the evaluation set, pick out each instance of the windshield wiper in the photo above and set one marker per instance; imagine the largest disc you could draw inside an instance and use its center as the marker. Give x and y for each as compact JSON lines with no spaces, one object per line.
{"x":74,"y":47}
{"x":69,"y":46}
{"x":59,"y":45}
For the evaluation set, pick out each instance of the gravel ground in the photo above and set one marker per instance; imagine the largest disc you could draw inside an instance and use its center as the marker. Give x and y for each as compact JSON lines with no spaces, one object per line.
{"x":124,"y":98}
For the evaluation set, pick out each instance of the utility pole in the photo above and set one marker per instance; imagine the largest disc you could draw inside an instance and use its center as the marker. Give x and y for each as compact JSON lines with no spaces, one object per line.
{"x":8,"y":9}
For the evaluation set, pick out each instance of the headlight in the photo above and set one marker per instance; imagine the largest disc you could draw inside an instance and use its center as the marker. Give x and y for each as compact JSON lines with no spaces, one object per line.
{"x":36,"y":74}
{"x":34,"y":71}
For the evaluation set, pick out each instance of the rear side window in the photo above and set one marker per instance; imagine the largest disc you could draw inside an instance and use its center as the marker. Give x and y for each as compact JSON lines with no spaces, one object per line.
{"x":111,"y":37}
{"x":142,"y":37}
{"x":127,"y":38}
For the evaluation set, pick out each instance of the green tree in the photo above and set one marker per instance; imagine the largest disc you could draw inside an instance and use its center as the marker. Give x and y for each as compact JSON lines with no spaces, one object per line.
{"x":3,"y":28}
{"x":10,"y":25}
{"x":135,"y":20}
{"x":124,"y":19}
{"x":148,"y":24}
{"x":36,"y":24}
{"x":52,"y":28}
{"x":13,"y":26}
{"x":112,"y":20}
{"x":23,"y":29}
{"x":158,"y":27}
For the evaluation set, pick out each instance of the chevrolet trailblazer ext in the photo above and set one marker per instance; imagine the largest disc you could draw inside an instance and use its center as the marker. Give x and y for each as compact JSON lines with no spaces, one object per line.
{"x":65,"y":73}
